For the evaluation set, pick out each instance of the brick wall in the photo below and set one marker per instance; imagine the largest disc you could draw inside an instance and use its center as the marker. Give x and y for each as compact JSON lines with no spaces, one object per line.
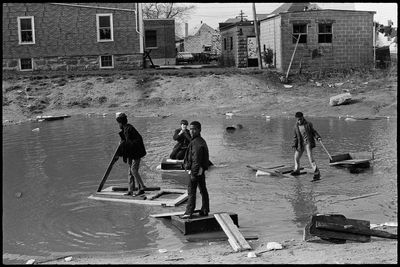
{"x":70,"y":32}
{"x":352,"y":42}
{"x":165,"y":52}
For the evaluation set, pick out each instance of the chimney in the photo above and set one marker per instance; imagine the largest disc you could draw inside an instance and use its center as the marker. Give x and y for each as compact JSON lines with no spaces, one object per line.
{"x":186,"y":29}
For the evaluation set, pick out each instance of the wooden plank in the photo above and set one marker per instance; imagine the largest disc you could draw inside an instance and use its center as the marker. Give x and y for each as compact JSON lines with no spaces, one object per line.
{"x":169,"y":214}
{"x":349,"y":228}
{"x":349,"y":162}
{"x":362,"y":155}
{"x":216,"y":236}
{"x":235,"y":238}
{"x":107,"y":173}
{"x":122,"y":188}
{"x":180,"y":199}
{"x":257,"y":167}
{"x":340,"y":157}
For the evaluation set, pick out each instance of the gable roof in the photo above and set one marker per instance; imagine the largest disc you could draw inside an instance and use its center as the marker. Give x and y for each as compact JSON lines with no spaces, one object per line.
{"x":294,"y":7}
{"x":201,"y":27}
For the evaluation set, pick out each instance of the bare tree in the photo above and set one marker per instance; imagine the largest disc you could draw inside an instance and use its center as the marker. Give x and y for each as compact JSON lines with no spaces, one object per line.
{"x":167,"y":11}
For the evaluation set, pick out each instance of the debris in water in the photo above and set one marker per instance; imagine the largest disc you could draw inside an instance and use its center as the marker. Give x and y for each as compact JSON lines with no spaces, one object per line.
{"x":274,"y":246}
{"x":68,"y":259}
{"x":161,"y":250}
{"x":35,"y":130}
{"x":251,"y":255}
{"x":31,"y":261}
{"x":18,"y":194}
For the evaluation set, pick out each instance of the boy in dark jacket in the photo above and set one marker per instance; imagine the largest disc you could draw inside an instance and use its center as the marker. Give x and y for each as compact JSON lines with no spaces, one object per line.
{"x":304,"y":135}
{"x":196,"y":162}
{"x":182,"y":136}
{"x":131,"y":149}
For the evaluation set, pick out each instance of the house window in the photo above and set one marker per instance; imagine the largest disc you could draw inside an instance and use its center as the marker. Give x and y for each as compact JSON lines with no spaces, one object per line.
{"x":207,"y":48}
{"x":106,"y":62}
{"x":25,"y":64}
{"x":297,"y":30}
{"x":324,"y":33}
{"x":26,"y":30}
{"x":151,"y":38}
{"x":231,"y":43}
{"x":104,"y":27}
{"x":224,"y":43}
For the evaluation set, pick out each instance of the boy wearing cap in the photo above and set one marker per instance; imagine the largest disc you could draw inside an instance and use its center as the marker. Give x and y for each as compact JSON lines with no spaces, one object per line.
{"x":196,"y":162}
{"x":304,"y":135}
{"x":182,"y":136}
{"x":131,"y":149}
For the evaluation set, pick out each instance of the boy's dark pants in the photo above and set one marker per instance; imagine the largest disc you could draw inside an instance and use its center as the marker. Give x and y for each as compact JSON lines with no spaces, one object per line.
{"x":192,"y":187}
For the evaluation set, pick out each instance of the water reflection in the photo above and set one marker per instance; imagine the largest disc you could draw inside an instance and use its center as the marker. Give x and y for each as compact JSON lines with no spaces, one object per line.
{"x":57,"y":168}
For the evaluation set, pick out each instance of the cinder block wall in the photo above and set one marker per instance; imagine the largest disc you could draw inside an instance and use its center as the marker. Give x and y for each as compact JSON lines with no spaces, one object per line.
{"x":165,"y":52}
{"x":270,"y":36}
{"x":242,"y":44}
{"x":352,"y":43}
{"x":66,"y":38}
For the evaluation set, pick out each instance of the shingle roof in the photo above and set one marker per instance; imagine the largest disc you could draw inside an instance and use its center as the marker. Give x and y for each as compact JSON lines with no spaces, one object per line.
{"x":293,"y":7}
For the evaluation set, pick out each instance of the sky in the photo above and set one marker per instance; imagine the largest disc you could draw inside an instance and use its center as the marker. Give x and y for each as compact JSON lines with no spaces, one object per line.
{"x":214,"y":13}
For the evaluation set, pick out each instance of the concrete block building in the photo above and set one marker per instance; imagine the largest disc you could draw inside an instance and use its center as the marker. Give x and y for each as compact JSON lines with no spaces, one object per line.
{"x":238,"y":44}
{"x":328,"y":38}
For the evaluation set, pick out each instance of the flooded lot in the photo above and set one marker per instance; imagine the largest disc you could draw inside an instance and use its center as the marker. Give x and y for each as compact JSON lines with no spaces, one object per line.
{"x":48,"y":175}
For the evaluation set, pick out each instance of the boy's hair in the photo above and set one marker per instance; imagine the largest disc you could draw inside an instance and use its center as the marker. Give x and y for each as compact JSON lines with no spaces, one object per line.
{"x":299,"y":115}
{"x":185,"y":122}
{"x":122,"y":118}
{"x":196,"y":124}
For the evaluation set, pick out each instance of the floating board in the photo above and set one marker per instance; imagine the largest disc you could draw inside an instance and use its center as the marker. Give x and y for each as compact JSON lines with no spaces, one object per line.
{"x":355,"y":159}
{"x":154,"y":198}
{"x":123,"y":189}
{"x":173,"y":165}
{"x":51,"y":118}
{"x":278,"y":170}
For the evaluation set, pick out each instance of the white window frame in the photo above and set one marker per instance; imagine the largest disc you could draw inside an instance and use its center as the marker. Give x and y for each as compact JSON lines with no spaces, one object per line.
{"x":19,"y":30}
{"x":107,"y":67}
{"x":19,"y":63}
{"x":98,"y":26}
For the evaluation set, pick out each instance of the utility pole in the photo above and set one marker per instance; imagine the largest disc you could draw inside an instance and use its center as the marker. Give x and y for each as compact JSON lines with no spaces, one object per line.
{"x":241,"y":15}
{"x":257,"y":37}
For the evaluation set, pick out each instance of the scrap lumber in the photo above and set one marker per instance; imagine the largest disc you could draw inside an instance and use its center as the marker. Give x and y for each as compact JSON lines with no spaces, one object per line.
{"x":235,"y":238}
{"x":169,"y":214}
{"x":311,"y":228}
{"x":353,"y":229}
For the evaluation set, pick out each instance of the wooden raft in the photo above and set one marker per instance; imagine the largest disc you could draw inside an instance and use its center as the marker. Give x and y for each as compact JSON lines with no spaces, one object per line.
{"x":198,"y":224}
{"x":353,"y":159}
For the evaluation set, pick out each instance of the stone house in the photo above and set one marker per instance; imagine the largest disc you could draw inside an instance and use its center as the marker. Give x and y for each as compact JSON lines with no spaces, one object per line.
{"x":328,"y":38}
{"x":75,"y":36}
{"x":238,"y":40}
{"x":203,"y":39}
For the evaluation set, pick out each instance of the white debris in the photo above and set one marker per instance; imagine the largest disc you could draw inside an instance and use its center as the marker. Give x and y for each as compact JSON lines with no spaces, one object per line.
{"x":339,"y":84}
{"x":36,"y":130}
{"x":288,"y":86}
{"x":251,"y":255}
{"x":318,"y":84}
{"x":68,"y":259}
{"x":31,"y":261}
{"x":340,"y":99}
{"x":274,"y":246}
{"x":350,"y":119}
{"x":162,"y":250}
{"x":117,"y":114}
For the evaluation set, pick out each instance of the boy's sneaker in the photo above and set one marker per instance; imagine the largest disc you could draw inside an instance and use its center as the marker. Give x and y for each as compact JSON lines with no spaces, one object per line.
{"x":186,"y":216}
{"x":317,"y":177}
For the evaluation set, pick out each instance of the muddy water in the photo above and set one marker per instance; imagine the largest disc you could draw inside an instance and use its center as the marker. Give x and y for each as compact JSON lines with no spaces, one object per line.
{"x":48,"y":176}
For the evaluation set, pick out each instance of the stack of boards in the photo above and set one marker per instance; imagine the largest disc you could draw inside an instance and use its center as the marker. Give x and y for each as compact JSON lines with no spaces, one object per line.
{"x":171,"y":165}
{"x":277,"y":170}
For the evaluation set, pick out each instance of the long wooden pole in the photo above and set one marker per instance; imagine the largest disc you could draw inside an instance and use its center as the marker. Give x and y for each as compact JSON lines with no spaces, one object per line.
{"x":257,"y":37}
{"x":291,"y":60}
{"x":113,"y":160}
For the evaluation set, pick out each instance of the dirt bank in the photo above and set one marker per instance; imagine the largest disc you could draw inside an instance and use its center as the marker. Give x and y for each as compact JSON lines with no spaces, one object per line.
{"x":378,"y":251}
{"x":190,"y":91}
